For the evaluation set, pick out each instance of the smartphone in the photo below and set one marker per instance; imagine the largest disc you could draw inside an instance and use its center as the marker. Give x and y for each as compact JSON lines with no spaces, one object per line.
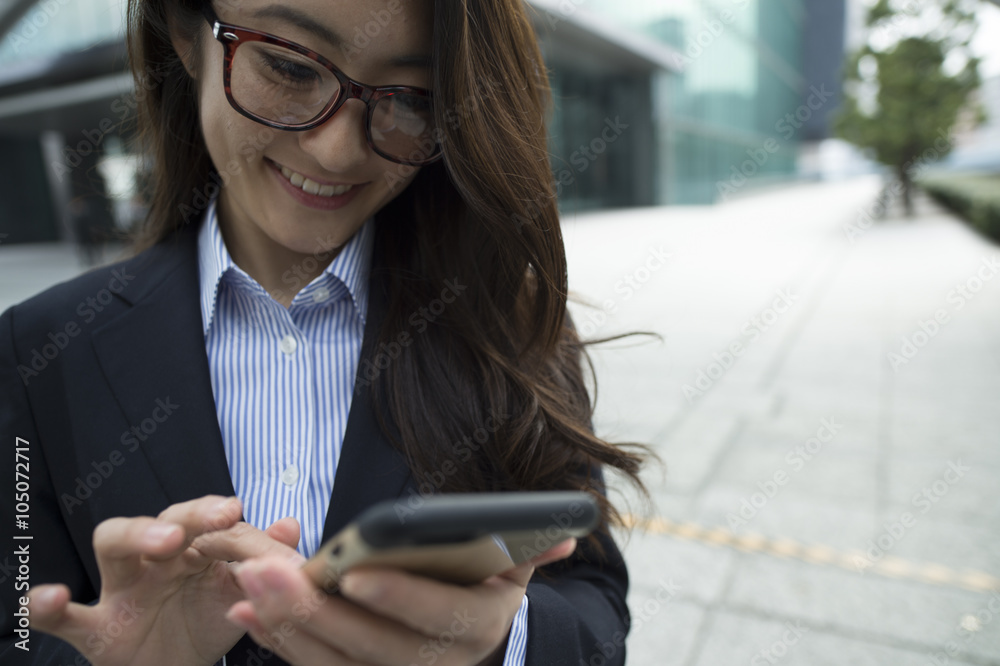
{"x":457,"y":538}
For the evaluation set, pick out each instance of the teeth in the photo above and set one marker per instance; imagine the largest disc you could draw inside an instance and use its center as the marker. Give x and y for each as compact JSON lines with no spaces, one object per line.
{"x":311,"y":186}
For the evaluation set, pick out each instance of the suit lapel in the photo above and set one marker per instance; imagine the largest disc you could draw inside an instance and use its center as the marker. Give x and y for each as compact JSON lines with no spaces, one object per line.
{"x":370,"y":469}
{"x":154,"y":355}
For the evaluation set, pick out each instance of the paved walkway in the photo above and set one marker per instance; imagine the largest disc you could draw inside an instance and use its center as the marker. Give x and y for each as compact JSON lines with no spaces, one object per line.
{"x":821,"y":502}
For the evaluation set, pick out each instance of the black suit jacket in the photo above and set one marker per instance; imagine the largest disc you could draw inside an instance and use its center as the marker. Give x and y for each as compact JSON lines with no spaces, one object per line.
{"x":89,"y":370}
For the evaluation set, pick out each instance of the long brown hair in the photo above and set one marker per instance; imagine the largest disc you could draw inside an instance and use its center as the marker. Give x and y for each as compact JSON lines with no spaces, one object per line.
{"x":497,"y":371}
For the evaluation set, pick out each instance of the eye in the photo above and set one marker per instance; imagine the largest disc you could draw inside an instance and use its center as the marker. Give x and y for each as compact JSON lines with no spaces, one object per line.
{"x":291,"y":72}
{"x":411,"y":104}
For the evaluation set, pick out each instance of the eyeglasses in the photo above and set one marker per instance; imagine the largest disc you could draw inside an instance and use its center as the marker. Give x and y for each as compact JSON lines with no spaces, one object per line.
{"x":286,"y":86}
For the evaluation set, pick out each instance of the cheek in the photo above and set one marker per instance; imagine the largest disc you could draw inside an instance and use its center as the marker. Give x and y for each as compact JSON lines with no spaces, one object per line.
{"x":231,"y":139}
{"x":234,"y":143}
{"x":251,"y":141}
{"x":214,"y":115}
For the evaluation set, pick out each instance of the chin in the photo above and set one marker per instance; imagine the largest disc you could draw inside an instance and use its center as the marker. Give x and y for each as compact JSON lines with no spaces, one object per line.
{"x":306,"y":232}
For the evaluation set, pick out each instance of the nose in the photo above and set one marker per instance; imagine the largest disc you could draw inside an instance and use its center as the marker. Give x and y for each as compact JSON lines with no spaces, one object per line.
{"x":340,"y":144}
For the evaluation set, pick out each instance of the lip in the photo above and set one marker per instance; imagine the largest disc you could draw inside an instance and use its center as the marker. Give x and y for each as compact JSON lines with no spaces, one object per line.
{"x":314,"y":200}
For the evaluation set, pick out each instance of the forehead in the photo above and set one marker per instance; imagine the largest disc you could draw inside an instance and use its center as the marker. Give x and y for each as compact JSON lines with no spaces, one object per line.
{"x":369,"y":29}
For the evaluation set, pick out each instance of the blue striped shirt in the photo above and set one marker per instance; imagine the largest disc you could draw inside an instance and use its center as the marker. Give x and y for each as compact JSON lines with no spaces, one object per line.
{"x":283,"y":380}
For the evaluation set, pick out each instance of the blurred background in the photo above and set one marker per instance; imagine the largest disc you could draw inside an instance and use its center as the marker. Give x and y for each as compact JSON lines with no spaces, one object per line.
{"x":801,"y":199}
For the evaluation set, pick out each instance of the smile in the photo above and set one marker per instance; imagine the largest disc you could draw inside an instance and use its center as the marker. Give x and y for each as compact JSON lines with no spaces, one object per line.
{"x":311,"y":186}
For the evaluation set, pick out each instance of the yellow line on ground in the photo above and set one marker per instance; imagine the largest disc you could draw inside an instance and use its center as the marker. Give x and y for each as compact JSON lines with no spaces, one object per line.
{"x":853,"y":560}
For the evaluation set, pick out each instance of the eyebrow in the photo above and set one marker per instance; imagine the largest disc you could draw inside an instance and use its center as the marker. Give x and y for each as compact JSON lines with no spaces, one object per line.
{"x":307,"y":23}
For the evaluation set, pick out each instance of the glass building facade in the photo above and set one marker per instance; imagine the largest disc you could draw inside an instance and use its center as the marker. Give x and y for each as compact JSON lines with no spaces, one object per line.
{"x":62,"y":64}
{"x":740,"y":76}
{"x":62,"y":26}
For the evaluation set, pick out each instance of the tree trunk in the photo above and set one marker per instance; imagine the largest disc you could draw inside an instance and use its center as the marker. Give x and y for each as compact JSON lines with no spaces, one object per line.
{"x":904,"y":178}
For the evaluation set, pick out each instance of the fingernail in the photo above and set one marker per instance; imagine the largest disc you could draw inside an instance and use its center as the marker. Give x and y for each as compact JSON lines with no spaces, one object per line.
{"x":235,"y":619}
{"x":157,"y":534}
{"x":46,"y":597}
{"x":239,"y":623}
{"x":219,"y":511}
{"x":359,"y":586}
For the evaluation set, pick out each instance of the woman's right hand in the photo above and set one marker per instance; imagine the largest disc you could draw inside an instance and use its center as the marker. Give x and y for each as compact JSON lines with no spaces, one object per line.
{"x":162,"y":601}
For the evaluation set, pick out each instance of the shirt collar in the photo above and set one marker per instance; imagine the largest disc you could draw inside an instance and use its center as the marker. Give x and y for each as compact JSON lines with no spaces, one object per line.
{"x":351,"y":266}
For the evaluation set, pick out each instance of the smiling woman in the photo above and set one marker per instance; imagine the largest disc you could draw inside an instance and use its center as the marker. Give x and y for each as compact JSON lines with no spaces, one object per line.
{"x":353,"y":276}
{"x":321,"y":178}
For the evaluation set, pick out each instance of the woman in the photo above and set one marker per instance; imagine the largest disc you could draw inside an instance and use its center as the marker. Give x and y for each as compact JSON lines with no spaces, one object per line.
{"x":342,"y":295}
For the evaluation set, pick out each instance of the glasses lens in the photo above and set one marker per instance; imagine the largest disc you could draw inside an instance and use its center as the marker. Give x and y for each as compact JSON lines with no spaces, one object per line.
{"x":280,"y":85}
{"x":403,"y":127}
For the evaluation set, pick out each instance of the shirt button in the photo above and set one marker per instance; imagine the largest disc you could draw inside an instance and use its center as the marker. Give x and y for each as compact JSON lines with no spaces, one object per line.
{"x":290,"y":475}
{"x":321,"y":294}
{"x":289,"y":345}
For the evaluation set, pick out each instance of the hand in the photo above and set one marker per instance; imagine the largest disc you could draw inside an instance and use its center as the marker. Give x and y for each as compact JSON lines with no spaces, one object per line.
{"x":386,"y":616}
{"x":162,"y":600}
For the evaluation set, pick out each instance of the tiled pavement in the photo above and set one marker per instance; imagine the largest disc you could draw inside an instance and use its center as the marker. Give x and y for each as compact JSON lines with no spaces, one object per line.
{"x":755,"y":551}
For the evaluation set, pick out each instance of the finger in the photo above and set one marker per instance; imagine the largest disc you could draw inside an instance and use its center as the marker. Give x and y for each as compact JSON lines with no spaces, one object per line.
{"x":120,"y":543}
{"x":522,"y":573}
{"x":554,"y":554}
{"x":52,"y":611}
{"x":287,"y":641}
{"x":286,"y":530}
{"x":431,"y":607}
{"x":243,"y":541}
{"x":204,"y":515}
{"x":283,"y":598}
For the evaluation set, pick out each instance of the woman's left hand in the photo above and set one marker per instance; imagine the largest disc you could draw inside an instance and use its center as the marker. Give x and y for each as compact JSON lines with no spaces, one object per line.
{"x":386,"y":616}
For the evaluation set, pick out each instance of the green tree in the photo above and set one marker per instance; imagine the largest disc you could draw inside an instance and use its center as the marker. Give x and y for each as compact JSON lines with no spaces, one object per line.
{"x":908,"y":87}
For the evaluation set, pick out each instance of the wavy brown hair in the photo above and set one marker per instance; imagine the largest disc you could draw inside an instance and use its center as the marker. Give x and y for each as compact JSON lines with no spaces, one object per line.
{"x":502,"y":359}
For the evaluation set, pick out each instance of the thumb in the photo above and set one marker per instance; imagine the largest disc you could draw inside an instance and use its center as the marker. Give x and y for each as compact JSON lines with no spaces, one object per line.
{"x":285,"y":530}
{"x":554,"y":554}
{"x":522,"y":573}
{"x":54,"y":612}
